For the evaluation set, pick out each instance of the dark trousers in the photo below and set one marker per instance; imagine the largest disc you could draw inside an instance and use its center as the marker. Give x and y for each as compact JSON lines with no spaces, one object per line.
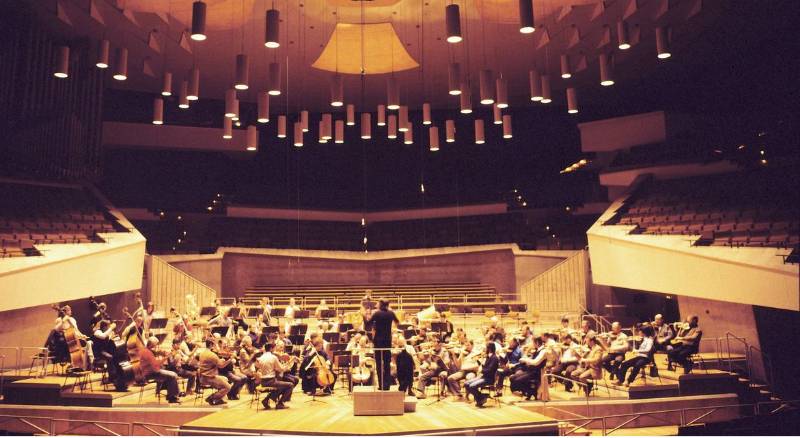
{"x":281,"y":393}
{"x":237,"y":381}
{"x":383,"y":363}
{"x":565,"y":370}
{"x":637,"y":363}
{"x":612,"y":361}
{"x":680,"y":354}
{"x":406,"y":381}
{"x":168,"y":379}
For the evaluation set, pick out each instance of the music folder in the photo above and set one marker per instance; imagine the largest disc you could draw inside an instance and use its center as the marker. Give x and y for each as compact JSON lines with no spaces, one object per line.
{"x":301,"y":314}
{"x":439,"y":326}
{"x":234,"y":312}
{"x":158,"y":323}
{"x":345,"y":327}
{"x":208,"y":311}
{"x":330,"y":313}
{"x":277,"y":313}
{"x":254,"y":312}
{"x":331,"y":337}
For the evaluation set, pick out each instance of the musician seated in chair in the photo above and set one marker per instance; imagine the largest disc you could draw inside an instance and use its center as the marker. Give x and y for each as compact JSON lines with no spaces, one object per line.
{"x":590,"y":367}
{"x":67,"y":322}
{"x":568,"y":362}
{"x":487,"y":376}
{"x":664,"y":333}
{"x":528,"y":375}
{"x":616,"y":344}
{"x":685,"y":344}
{"x":405,"y":362}
{"x":178,"y":363}
{"x":208,"y":371}
{"x":268,"y":368}
{"x":308,"y":370}
{"x":431,"y":366}
{"x":642,"y":358}
{"x":163,"y":377}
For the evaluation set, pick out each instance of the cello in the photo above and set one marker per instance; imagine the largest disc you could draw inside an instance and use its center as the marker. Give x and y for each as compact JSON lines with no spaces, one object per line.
{"x":325,"y":377}
{"x":143,"y":361}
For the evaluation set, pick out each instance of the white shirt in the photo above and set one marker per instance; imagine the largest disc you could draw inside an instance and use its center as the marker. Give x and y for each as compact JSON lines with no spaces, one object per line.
{"x":268,"y":365}
{"x":645,"y":347}
{"x":619,"y":344}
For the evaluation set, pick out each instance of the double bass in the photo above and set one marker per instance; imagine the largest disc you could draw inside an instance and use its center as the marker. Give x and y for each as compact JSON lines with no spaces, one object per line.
{"x":75,"y":346}
{"x":143,"y":361}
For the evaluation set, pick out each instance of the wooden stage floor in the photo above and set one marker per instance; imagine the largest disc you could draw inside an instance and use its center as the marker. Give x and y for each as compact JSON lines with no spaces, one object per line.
{"x":333,"y":415}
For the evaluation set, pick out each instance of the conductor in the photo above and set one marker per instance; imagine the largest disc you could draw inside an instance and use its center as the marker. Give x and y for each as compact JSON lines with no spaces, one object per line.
{"x":381,"y":322}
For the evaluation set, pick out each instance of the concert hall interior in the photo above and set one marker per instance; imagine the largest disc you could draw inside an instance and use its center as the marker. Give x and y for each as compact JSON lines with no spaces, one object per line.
{"x":399,"y":217}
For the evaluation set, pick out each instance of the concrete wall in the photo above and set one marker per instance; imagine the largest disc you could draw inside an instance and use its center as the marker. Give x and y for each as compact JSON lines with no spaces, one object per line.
{"x":527,"y":267}
{"x":207,"y":269}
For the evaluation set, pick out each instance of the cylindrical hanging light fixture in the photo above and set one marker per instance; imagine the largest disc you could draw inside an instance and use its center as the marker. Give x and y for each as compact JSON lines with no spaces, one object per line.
{"x":391,"y":131}
{"x":501,"y":87}
{"x":183,"y":98}
{"x":566,"y":73}
{"x":450,"y":131}
{"x":454,"y":78}
{"x":62,"y":62}
{"x":198,"y":21}
{"x":606,"y":71}
{"x":351,"y":114}
{"x":486,"y":79}
{"x":194,"y":84}
{"x":465,"y":99}
{"x":166,"y":84}
{"x":281,"y":126}
{"x":535,"y":83}
{"x":103,"y":51}
{"x":408,"y":135}
{"x":507,"y":126}
{"x":235,"y":118}
{"x":227,"y":128}
{"x":402,"y":118}
{"x":381,"y":115}
{"x":480,"y":135}
{"x":327,"y":122}
{"x":662,"y":43}
{"x":337,"y":90}
{"x":263,"y":107}
{"x":304,"y":120}
{"x":230,"y":103}
{"x":339,"y":127}
{"x":497,"y":115}
{"x":121,"y":64}
{"x":158,"y":111}
{"x":453,"y":23}
{"x":366,"y":126}
{"x":272,"y":29}
{"x":526,"y":16}
{"x":274,"y":79}
{"x":298,"y":134}
{"x":321,"y":132}
{"x":547,"y":96}
{"x":392,"y":94}
{"x":252,"y":138}
{"x":433,"y":138}
{"x":242,"y":72}
{"x":623,"y":39}
{"x":426,"y":113}
{"x":572,"y":101}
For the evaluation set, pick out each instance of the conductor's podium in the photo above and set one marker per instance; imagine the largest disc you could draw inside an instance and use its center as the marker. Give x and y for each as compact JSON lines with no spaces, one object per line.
{"x":368,"y":401}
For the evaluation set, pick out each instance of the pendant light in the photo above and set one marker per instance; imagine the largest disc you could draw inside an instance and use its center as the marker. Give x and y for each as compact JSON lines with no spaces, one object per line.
{"x":391,"y":132}
{"x":547,"y":96}
{"x":366,"y":126}
{"x":166,"y":84}
{"x":158,"y":111}
{"x":454,"y":78}
{"x":351,"y":114}
{"x":426,"y":113}
{"x":339,"y":127}
{"x":572,"y":101}
{"x":227,"y":128}
{"x":453,"y":23}
{"x":194,"y":84}
{"x":497,"y":115}
{"x":304,"y":120}
{"x":623,"y":38}
{"x":566,"y":73}
{"x":235,"y":118}
{"x":183,"y":95}
{"x":281,"y":126}
{"x":526,"y":16}
{"x":242,"y":72}
{"x":507,"y":126}
{"x":486,"y":79}
{"x":252,"y":138}
{"x":535,"y":83}
{"x":450,"y":131}
{"x":230,"y":103}
{"x":606,"y":72}
{"x":62,"y":62}
{"x":321,"y":132}
{"x":298,"y":134}
{"x":102,"y":54}
{"x":480,"y":136}
{"x":466,"y":99}
{"x":263,"y":107}
{"x":408,"y":135}
{"x":381,"y":115}
{"x":501,"y":88}
{"x":121,"y":64}
{"x":402,"y":118}
{"x":337,"y":91}
{"x":198,"y":21}
{"x":662,"y":43}
{"x":433,"y":138}
{"x":274,"y":79}
{"x":272,"y":29}
{"x":392,"y":94}
{"x":327,"y":121}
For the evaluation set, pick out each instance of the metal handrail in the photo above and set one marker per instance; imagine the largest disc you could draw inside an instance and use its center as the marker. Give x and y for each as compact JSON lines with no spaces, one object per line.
{"x":728,"y":336}
{"x":51,"y":422}
{"x":766,"y":360}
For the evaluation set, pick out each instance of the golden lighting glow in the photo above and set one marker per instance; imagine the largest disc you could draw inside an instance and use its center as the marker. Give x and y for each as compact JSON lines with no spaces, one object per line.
{"x":383,"y":50}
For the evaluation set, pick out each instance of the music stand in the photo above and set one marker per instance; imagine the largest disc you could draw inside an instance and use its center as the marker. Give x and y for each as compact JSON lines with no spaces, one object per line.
{"x":254,"y":312}
{"x":160,"y":337}
{"x":409,"y":333}
{"x":277,"y":313}
{"x":301,"y":314}
{"x":298,"y":329}
{"x":222,"y":330}
{"x":465,"y":310}
{"x":403,"y":327}
{"x":439,"y":327}
{"x":208,"y":311}
{"x":501,"y":309}
{"x":444,"y":307}
{"x":327,"y":314}
{"x":270,"y":329}
{"x":158,"y":323}
{"x":234,"y":312}
{"x":331,"y":337}
{"x":520,"y":309}
{"x":297,"y":339}
{"x":345,"y":327}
